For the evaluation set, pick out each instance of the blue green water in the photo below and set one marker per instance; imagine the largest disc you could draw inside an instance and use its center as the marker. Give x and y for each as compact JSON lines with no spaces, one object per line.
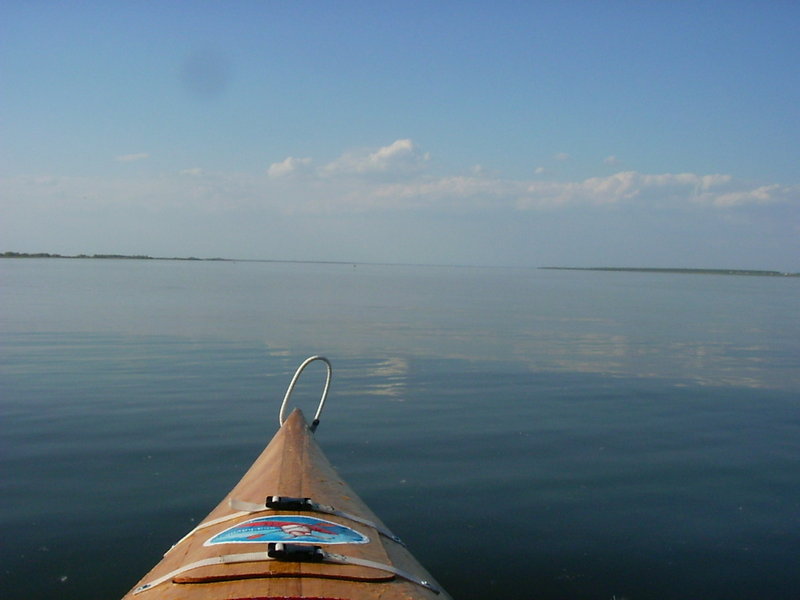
{"x":530,"y":434}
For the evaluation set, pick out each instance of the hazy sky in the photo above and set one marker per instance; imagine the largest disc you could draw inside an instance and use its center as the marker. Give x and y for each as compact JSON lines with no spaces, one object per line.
{"x":490,"y":133}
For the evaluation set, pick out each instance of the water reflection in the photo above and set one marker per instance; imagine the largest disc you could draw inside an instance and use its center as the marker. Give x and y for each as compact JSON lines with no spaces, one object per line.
{"x":710,"y":330}
{"x":393,"y":375}
{"x":597,"y":462}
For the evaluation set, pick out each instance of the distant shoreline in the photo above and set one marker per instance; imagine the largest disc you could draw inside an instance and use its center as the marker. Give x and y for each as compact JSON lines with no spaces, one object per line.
{"x":741,"y":272}
{"x":147,"y":257}
{"x":196,"y":259}
{"x":745,"y":272}
{"x":116,"y":256}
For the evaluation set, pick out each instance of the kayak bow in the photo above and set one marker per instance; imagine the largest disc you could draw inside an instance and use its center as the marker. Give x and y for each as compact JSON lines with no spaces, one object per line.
{"x":290,"y":529}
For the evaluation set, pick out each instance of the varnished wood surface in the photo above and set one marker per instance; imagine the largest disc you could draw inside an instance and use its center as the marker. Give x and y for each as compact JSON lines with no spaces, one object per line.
{"x":291,"y":465}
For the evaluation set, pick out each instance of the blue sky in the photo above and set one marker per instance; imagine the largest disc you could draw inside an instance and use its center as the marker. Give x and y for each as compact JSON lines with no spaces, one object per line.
{"x":504,"y":133}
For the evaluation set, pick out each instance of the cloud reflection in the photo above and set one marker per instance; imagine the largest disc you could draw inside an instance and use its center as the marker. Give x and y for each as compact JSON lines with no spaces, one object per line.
{"x":692,"y":329}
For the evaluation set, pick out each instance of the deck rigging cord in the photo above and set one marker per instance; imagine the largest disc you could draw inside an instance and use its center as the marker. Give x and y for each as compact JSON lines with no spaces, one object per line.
{"x":289,"y":553}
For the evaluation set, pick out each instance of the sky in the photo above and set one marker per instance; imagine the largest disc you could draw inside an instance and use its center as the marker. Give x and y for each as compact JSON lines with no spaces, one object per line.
{"x":618,"y":133}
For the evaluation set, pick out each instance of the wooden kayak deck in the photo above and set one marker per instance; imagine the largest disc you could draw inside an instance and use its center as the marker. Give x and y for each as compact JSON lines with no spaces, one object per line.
{"x":201,"y":567}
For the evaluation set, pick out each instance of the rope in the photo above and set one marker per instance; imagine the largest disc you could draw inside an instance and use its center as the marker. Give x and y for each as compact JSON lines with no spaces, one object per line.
{"x":306,"y":362}
{"x":328,"y":557}
{"x":207,"y":562}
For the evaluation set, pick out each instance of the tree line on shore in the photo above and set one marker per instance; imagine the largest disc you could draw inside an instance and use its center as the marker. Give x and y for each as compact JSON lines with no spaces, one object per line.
{"x":125,"y":256}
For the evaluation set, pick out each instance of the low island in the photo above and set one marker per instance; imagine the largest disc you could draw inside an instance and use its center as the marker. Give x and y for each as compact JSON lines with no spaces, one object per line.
{"x":746,"y":272}
{"x":116,"y":256}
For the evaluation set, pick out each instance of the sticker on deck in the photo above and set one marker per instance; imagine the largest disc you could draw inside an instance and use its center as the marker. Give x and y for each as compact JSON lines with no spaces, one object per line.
{"x":288,"y":528}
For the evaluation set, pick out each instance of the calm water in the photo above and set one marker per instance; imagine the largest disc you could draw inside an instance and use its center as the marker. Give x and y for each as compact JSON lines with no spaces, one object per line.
{"x":531,"y":434}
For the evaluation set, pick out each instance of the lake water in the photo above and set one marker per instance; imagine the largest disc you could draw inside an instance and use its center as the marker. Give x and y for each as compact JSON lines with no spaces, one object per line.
{"x":530,"y":434}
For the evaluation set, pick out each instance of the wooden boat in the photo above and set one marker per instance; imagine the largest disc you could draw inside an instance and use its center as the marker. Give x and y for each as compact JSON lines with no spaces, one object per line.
{"x":290,"y":529}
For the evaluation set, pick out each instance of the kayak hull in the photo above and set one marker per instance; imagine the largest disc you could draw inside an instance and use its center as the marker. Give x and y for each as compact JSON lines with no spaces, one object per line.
{"x":226,"y":556}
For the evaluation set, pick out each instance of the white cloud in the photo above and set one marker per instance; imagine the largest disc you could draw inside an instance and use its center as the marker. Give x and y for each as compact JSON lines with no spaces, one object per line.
{"x":653,"y":190}
{"x":289,"y":166}
{"x":393,"y":178}
{"x":477,"y":192}
{"x":611,"y":161}
{"x":561,"y":156}
{"x":126,"y":158}
{"x":767,"y":194}
{"x":478,"y":170}
{"x":597,"y":191}
{"x":448,"y":193}
{"x":399,"y":157}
